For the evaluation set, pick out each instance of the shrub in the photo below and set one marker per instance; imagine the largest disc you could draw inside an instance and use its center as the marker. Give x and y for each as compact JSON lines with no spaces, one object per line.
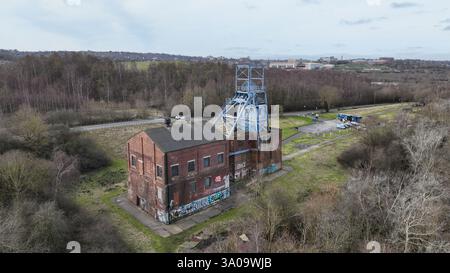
{"x":9,"y":142}
{"x":379,"y":137}
{"x":22,"y":175}
{"x":32,"y":129}
{"x":354,"y":157}
{"x":89,"y":154}
{"x":66,"y":117}
{"x":50,"y":229}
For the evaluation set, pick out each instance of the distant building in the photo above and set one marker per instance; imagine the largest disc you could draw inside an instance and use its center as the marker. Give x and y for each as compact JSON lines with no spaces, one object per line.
{"x":328,"y":60}
{"x":313,"y":66}
{"x":289,"y":64}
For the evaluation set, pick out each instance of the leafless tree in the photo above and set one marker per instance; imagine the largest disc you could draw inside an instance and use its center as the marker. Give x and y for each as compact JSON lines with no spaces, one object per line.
{"x":66,"y":171}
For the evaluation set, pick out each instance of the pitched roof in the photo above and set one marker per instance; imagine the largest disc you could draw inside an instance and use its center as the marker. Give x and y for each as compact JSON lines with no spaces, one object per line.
{"x":163,"y":139}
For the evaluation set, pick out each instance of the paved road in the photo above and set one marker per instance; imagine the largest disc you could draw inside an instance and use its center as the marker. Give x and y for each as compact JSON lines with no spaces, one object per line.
{"x":301,"y":113}
{"x":117,"y":124}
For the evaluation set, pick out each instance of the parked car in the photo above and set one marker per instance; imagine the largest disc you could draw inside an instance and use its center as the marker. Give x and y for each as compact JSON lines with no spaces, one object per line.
{"x":341,"y":126}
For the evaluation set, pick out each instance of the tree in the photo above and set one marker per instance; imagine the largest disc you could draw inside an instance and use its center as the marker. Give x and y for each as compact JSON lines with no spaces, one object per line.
{"x":66,"y":171}
{"x":29,"y":125}
{"x":328,"y":96}
{"x":22,"y":175}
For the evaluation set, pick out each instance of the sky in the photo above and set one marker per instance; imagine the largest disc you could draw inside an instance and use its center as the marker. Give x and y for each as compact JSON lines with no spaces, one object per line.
{"x":232,"y":28}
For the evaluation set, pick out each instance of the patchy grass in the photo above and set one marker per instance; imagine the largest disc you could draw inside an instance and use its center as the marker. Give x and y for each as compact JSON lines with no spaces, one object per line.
{"x":289,"y":125}
{"x":317,"y":169}
{"x":98,"y":186}
{"x":377,"y":110}
{"x":328,"y":116}
{"x":139,"y":65}
{"x":113,"y":140}
{"x":306,"y":140}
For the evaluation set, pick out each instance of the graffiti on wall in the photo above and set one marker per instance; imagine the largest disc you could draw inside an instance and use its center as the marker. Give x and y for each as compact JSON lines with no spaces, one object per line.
{"x":199,"y":204}
{"x":162,"y":216}
{"x":271,"y":169}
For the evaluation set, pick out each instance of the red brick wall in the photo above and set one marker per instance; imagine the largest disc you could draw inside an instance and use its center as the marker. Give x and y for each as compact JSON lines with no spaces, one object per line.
{"x":142,"y":178}
{"x":144,"y":183}
{"x":180,"y":187}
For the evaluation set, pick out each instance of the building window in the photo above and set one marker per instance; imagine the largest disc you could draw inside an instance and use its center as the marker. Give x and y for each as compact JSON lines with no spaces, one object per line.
{"x":220,"y":158}
{"x":175,"y":170}
{"x":206,"y":162}
{"x":208,"y":182}
{"x":133,"y":161}
{"x":160,"y":194}
{"x":158,"y":171}
{"x":193,"y":187}
{"x":191,"y":166}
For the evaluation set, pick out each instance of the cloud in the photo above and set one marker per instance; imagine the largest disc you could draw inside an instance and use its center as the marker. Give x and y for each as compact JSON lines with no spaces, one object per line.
{"x":446,"y":21}
{"x":242,"y":49}
{"x":73,"y":3}
{"x":310,"y":2}
{"x":250,"y":6}
{"x":372,"y":3}
{"x":403,"y":5}
{"x":339,"y":45}
{"x":362,"y":21}
{"x":447,"y":28}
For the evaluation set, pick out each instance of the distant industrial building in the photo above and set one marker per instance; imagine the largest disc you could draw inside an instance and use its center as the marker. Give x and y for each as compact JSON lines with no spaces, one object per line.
{"x":289,"y":64}
{"x":328,"y":60}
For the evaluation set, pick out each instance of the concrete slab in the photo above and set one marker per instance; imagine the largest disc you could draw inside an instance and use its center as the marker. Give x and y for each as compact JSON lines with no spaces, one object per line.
{"x":212,"y":212}
{"x":199,"y":218}
{"x":162,"y":232}
{"x":173,"y":229}
{"x":186,"y":223}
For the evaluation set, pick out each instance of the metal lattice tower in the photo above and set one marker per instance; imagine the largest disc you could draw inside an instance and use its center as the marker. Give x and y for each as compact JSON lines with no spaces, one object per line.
{"x":247,"y":111}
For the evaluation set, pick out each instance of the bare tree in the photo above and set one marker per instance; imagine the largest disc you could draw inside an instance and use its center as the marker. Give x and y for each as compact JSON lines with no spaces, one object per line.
{"x":66,"y":171}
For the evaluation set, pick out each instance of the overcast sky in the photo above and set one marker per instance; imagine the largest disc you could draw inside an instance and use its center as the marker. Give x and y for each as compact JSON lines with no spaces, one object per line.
{"x":232,"y":28}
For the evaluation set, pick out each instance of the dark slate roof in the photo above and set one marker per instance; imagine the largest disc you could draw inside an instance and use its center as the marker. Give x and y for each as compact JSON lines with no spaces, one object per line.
{"x":163,"y":139}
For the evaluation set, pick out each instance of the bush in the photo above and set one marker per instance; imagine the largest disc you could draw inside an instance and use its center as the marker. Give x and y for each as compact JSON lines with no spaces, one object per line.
{"x":9,"y":142}
{"x":379,"y":137}
{"x":22,"y":175}
{"x":66,"y":117}
{"x":50,"y":229}
{"x":354,"y":157}
{"x":28,"y":125}
{"x":89,"y":154}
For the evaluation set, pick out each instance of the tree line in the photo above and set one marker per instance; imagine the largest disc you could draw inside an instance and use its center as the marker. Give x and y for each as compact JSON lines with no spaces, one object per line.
{"x":67,"y":82}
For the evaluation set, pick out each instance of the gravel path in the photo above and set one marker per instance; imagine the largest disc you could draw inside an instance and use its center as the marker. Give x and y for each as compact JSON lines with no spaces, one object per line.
{"x":117,"y":124}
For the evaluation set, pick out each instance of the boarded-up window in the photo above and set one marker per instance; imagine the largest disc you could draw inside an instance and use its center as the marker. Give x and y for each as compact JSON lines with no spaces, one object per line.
{"x":220,"y":158}
{"x":191,"y":166}
{"x":206,"y":162}
{"x":159,"y":171}
{"x":133,"y":161}
{"x":160,"y":194}
{"x":193,"y":187}
{"x":175,"y":170}
{"x":208,"y":182}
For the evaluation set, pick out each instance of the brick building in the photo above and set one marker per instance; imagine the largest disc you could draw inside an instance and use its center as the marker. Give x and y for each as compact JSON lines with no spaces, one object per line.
{"x":171,"y":179}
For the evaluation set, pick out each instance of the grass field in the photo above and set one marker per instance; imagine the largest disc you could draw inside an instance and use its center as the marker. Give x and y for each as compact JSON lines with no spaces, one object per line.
{"x":289,"y":125}
{"x":306,"y":140}
{"x":313,"y":171}
{"x":140,"y":65}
